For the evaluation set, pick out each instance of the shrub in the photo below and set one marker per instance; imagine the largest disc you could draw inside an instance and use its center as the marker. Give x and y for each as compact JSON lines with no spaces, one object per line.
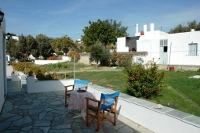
{"x":124,"y":60}
{"x":114,"y":57}
{"x":59,"y":53}
{"x":105,"y":58}
{"x":22,"y":66}
{"x":72,"y":53}
{"x":39,"y":72}
{"x":144,"y":82}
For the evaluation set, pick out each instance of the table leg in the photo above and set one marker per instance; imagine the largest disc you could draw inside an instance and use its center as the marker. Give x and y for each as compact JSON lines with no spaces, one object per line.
{"x":82,"y":114}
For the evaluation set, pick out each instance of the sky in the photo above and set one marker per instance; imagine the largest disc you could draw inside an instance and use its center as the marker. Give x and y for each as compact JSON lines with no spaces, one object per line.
{"x":57,"y":18}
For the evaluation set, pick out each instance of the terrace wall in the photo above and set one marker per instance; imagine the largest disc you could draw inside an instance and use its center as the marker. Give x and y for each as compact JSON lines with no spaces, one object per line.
{"x":165,"y":120}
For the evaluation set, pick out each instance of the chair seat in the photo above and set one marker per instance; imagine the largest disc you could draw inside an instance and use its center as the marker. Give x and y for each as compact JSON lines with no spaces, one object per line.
{"x":106,"y":105}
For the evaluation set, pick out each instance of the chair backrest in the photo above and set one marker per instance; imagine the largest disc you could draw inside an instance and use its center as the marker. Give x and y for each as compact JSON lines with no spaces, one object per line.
{"x":80,"y":83}
{"x":108,"y":100}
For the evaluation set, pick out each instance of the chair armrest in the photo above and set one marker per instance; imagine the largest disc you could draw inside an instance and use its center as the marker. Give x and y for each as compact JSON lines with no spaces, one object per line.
{"x":68,"y":86}
{"x":66,"y":90}
{"x":94,"y":100}
{"x":92,"y":107}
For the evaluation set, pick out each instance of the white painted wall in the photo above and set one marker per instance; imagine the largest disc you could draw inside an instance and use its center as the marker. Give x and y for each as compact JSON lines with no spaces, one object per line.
{"x":15,"y":77}
{"x":1,"y":71}
{"x":34,"y":86}
{"x":158,"y":121}
{"x":43,"y":62}
{"x":121,"y":45}
{"x":179,"y":48}
{"x":66,"y":58}
{"x":149,"y":117}
{"x":150,"y":42}
{"x":3,"y":80}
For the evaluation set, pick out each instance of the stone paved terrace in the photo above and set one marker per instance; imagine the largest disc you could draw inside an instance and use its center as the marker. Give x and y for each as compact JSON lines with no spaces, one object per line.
{"x":45,"y":113}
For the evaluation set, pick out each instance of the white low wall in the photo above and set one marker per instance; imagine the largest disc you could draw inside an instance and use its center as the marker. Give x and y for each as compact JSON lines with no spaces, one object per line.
{"x":144,"y":113}
{"x":34,"y":86}
{"x":43,"y":62}
{"x":15,"y":77}
{"x":165,"y":120}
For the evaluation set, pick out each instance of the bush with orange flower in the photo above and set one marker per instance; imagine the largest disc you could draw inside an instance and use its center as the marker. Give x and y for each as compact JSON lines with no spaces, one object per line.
{"x":144,"y":82}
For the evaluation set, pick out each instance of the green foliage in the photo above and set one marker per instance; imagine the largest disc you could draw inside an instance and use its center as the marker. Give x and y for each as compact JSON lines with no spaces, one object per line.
{"x":12,"y":48}
{"x":105,"y":57}
{"x":22,"y":66}
{"x":40,"y":75}
{"x":190,"y":25}
{"x":63,"y":44}
{"x":59,"y":53}
{"x":44,"y":46}
{"x":144,"y":82}
{"x":99,"y":54}
{"x":29,"y":45}
{"x":38,"y":71}
{"x":105,"y":31}
{"x":59,"y":65}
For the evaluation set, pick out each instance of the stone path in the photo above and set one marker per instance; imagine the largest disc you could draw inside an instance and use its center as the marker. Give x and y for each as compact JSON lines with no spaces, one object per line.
{"x":46,"y":113}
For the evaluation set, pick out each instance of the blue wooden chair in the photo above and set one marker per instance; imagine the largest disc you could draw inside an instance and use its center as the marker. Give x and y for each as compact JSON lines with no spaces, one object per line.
{"x":78,"y":84}
{"x":105,"y":106}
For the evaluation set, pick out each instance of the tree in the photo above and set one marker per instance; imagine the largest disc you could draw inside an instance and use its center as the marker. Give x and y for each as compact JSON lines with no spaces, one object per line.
{"x":105,"y":31}
{"x":44,"y":46}
{"x":63,"y":44}
{"x":96,"y":51}
{"x":99,"y":54}
{"x":32,"y":46}
{"x":12,"y":47}
{"x":191,"y":25}
{"x":23,"y":48}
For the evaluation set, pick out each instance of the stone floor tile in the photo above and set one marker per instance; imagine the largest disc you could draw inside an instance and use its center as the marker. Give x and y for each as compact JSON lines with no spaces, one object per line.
{"x":46,"y":113}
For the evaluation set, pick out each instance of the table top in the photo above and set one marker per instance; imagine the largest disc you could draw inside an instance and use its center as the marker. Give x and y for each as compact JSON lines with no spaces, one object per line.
{"x":77,"y":99}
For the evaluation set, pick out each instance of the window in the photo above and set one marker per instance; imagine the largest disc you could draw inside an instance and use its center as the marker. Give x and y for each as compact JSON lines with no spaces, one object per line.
{"x":192,"y":49}
{"x":163,"y":45}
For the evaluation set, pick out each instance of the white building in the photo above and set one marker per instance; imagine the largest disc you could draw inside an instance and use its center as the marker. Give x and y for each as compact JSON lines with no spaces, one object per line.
{"x":164,"y":48}
{"x":3,"y":80}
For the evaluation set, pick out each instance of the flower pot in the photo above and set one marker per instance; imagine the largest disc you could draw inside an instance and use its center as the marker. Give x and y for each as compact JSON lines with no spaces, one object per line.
{"x":171,"y":68}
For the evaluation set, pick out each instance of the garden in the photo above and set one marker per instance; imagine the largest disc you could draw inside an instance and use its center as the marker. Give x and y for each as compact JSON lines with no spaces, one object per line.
{"x":170,"y":88}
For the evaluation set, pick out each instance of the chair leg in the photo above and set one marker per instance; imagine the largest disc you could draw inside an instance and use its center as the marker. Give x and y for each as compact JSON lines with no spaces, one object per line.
{"x":98,"y":122}
{"x":86,"y":117}
{"x":114,"y":118}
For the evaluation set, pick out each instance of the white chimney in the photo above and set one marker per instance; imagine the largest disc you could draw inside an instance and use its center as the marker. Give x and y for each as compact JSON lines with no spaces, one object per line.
{"x":145,"y":28}
{"x":151,"y":27}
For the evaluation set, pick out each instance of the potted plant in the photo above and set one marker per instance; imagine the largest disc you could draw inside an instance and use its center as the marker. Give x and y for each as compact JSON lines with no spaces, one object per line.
{"x":30,"y":73}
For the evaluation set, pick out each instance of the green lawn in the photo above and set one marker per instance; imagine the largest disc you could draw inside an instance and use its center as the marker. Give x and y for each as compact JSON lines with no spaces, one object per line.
{"x":180,"y":91}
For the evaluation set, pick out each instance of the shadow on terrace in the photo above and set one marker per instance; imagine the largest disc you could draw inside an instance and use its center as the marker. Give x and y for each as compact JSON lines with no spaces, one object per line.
{"x":46,"y":113}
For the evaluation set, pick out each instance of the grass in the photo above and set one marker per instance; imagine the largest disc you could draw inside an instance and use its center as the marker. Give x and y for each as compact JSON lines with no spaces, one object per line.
{"x":180,"y":91}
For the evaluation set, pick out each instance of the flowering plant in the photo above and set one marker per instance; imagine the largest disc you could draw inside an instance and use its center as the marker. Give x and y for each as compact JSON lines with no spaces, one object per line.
{"x":144,"y":82}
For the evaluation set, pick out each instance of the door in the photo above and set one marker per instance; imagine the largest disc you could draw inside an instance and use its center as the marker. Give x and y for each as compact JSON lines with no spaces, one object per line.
{"x":163,"y":51}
